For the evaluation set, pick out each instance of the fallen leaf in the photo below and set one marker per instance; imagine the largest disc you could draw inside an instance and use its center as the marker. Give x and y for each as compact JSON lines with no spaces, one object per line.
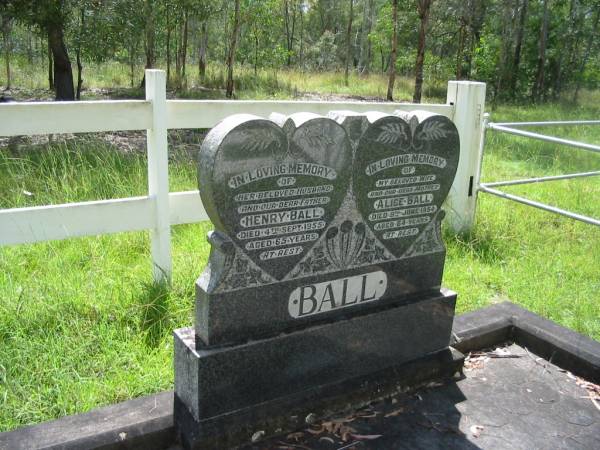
{"x":395,"y":412}
{"x":287,"y":446}
{"x":257,"y":436}
{"x":476,"y":430}
{"x":366,"y":437}
{"x":501,"y":352}
{"x":311,"y":418}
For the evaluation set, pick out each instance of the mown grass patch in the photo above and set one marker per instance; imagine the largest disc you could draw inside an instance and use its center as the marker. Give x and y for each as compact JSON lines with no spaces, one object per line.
{"x":82,"y":326}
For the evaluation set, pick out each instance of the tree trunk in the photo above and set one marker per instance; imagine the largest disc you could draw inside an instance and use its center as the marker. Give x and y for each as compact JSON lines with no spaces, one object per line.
{"x":79,"y":74}
{"x":167,"y":17}
{"x":504,"y":72}
{"x":423,"y":7}
{"x":6,"y":44}
{"x":364,"y":59}
{"x":63,"y":72}
{"x":568,"y":49}
{"x":586,"y":55}
{"x":30,"y":45}
{"x":183,"y":50}
{"x":518,"y":46}
{"x":50,"y":66}
{"x":255,"y":54}
{"x":348,"y":44}
{"x":78,"y":55}
{"x":301,"y":38}
{"x":232,"y":48}
{"x":177,"y":53}
{"x":202,"y":50}
{"x":149,"y":33}
{"x":392,"y":65}
{"x":538,"y":87}
{"x":475,"y":25}
{"x":132,"y":51}
{"x":462,"y":31}
{"x":290,"y":27}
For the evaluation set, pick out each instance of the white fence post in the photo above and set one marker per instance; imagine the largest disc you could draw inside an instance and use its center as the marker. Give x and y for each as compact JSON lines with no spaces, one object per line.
{"x":158,"y":175}
{"x":468,"y":98}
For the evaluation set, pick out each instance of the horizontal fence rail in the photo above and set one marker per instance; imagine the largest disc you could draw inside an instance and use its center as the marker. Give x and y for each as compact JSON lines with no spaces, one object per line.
{"x":507,"y":127}
{"x":208,"y":113}
{"x":541,"y":179}
{"x":543,"y":137}
{"x":74,"y":117}
{"x":69,"y":220}
{"x":549,"y":123}
{"x":160,"y":209}
{"x":539,"y":205}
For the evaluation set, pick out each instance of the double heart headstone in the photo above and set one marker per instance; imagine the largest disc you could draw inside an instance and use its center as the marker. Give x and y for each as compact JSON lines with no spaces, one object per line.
{"x":312,"y":195}
{"x":325,"y":266}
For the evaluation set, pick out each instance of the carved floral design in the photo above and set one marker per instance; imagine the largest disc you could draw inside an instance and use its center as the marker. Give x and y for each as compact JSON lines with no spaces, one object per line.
{"x":391,"y":133}
{"x":255,"y":141}
{"x":242,"y":273}
{"x":343,"y":243}
{"x":429,"y":241}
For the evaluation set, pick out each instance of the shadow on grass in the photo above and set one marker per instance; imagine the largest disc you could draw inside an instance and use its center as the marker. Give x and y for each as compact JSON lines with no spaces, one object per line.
{"x":153,"y":312}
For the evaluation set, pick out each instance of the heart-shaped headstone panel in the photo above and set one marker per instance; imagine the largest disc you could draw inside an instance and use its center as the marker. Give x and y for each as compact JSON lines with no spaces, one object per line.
{"x":272,"y":192}
{"x":402,"y":174}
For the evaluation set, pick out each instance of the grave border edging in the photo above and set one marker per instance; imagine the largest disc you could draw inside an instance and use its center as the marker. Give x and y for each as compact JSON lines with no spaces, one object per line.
{"x":127,"y":425}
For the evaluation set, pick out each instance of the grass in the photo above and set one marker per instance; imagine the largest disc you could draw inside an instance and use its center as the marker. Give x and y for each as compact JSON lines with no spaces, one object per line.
{"x":81,"y":326}
{"x":115,"y":79}
{"x":547,"y":263}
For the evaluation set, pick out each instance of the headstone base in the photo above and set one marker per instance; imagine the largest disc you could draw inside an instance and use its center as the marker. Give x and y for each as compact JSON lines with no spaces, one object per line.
{"x":226,"y":394}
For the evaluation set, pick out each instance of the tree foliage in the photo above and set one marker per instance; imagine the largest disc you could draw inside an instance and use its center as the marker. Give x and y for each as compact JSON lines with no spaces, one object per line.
{"x":523,"y":49}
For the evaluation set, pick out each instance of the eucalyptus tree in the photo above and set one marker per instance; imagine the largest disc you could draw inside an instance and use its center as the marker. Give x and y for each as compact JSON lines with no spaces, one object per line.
{"x":235,"y":31}
{"x":6,"y":23}
{"x":52,"y":17}
{"x":393,"y":54}
{"x":423,"y":8}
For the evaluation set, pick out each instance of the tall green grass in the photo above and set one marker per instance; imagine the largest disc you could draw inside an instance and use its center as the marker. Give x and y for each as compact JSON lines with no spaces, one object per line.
{"x":548,"y":263}
{"x":82,"y":326}
{"x":114,"y":78}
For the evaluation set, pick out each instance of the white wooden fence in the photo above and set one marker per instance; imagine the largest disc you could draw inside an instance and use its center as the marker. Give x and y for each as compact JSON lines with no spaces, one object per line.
{"x":161,"y":209}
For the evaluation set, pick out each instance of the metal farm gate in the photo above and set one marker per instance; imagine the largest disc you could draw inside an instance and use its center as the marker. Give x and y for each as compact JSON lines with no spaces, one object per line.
{"x":514,"y":129}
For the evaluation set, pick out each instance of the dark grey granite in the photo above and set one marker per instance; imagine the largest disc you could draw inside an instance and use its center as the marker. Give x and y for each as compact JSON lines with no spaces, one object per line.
{"x":145,"y":422}
{"x":403,"y":171}
{"x":213,"y":381}
{"x":518,"y":402}
{"x":291,"y":412}
{"x":291,"y":246}
{"x":223,"y":318}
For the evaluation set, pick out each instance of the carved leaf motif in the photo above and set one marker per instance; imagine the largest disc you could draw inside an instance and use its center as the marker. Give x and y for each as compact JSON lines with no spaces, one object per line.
{"x":256,"y":140}
{"x":391,"y":133}
{"x":433,"y":130}
{"x":315,"y":139}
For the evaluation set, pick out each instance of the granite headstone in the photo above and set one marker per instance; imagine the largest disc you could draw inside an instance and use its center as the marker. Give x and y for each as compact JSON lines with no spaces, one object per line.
{"x":326,"y":256}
